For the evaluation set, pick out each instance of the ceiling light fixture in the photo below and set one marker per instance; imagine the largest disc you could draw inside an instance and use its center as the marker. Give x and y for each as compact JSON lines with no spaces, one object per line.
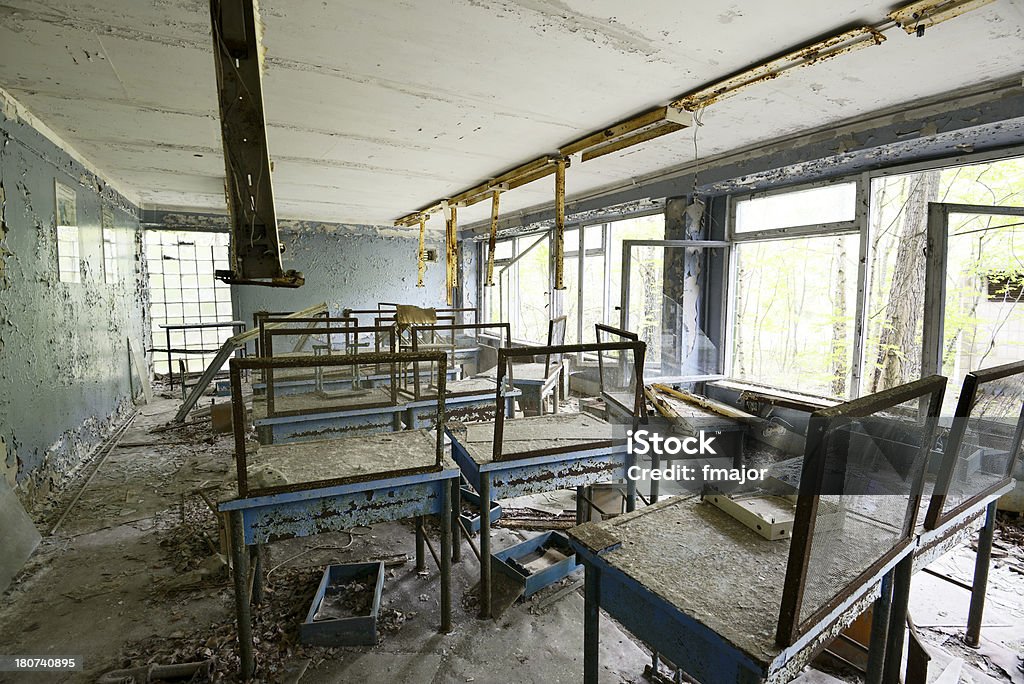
{"x":917,"y":16}
{"x":833,"y":46}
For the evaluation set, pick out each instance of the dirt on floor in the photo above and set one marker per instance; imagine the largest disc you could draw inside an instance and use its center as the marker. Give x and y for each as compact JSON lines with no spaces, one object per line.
{"x":136,"y":574}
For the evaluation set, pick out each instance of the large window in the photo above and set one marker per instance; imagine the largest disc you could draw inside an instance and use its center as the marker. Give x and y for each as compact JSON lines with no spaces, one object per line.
{"x":523,"y":278}
{"x":797,"y":320}
{"x":521,"y":291}
{"x":983,"y":323}
{"x":183,"y":291}
{"x":795,"y":289}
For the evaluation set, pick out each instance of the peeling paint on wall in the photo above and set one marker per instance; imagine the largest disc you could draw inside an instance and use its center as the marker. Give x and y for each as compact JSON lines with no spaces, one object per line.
{"x":64,"y":379}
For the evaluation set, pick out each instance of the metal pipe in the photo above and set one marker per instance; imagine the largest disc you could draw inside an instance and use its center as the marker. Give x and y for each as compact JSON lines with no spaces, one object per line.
{"x":591,"y":624}
{"x":446,"y":553}
{"x":485,"y":546}
{"x":897,"y":620}
{"x":879,"y":632}
{"x":243,"y":610}
{"x":980,"y":584}
{"x":560,"y":224}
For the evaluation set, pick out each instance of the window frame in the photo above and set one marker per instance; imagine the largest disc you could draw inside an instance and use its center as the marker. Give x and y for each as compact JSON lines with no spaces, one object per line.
{"x":859,"y":225}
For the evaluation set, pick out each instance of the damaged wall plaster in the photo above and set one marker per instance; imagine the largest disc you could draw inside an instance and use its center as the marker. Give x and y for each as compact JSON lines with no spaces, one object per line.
{"x":347,"y":266}
{"x":64,"y":361}
{"x":353,"y":270}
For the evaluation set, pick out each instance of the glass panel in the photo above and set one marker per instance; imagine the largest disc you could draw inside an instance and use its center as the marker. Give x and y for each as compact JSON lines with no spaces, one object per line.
{"x":828,"y":204}
{"x":982,"y":439}
{"x":665,"y":289}
{"x":794,"y":309}
{"x":570,"y":297}
{"x":984,"y":317}
{"x":643,"y":228}
{"x":872,"y":469}
{"x":895,"y":297}
{"x":595,"y":295}
{"x":532,"y":293}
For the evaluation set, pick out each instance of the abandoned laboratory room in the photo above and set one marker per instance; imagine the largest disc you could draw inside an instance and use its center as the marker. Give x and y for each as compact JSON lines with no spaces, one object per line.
{"x":512,"y":341}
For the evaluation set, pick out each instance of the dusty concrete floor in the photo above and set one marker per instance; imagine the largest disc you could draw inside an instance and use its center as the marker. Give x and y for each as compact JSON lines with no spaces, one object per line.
{"x":131,"y":577}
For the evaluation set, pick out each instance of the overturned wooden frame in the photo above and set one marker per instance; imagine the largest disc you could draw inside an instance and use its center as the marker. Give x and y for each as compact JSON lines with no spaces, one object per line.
{"x":792,"y":624}
{"x":270,"y":363}
{"x":504,"y":366}
{"x":937,"y":515}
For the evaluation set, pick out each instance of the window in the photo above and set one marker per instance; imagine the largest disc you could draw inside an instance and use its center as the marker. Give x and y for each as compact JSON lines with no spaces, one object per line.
{"x":521,"y":290}
{"x":981,"y":325}
{"x":794,"y":298}
{"x":800,"y":254}
{"x":69,"y":255}
{"x":183,"y":290}
{"x":111,"y":247}
{"x":794,"y":302}
{"x":811,"y":207}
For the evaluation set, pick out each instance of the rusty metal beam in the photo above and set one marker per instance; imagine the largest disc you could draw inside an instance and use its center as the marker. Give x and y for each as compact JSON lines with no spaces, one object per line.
{"x":634,"y":139}
{"x":421,"y":262}
{"x":255,"y":243}
{"x":917,"y":16}
{"x":451,"y":253}
{"x":820,"y":51}
{"x":615,"y":131}
{"x":492,"y":240}
{"x":560,"y":224}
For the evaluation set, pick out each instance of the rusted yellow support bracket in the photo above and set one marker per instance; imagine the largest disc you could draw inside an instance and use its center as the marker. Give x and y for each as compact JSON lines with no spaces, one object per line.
{"x":560,"y":224}
{"x":452,"y":252}
{"x":421,"y":256}
{"x":833,"y":46}
{"x":492,"y":241}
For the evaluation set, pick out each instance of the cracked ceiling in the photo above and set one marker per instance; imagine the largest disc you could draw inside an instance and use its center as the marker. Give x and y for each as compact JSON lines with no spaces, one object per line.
{"x":375,"y":109}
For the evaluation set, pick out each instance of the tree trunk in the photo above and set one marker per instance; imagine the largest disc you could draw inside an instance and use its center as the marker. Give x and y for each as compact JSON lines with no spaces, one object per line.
{"x":899,"y":350}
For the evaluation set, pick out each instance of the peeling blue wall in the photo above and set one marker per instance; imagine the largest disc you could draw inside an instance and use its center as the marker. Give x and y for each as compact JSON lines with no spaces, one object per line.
{"x":351,"y":267}
{"x":64,"y":363}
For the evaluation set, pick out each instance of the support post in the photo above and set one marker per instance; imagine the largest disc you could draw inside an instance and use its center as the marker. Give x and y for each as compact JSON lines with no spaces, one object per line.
{"x":879,"y":632}
{"x":492,"y":240}
{"x":446,"y":553}
{"x":485,"y":545}
{"x":560,"y":224}
{"x":451,"y":252}
{"x":591,"y":624}
{"x":897,"y":620}
{"x":421,"y":263}
{"x":421,"y":561}
{"x":456,"y":496}
{"x":980,"y":583}
{"x":243,"y":609}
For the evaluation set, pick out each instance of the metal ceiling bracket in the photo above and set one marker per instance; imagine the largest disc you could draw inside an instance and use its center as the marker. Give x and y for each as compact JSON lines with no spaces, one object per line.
{"x":560,"y":224}
{"x":255,"y":245}
{"x":492,"y":241}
